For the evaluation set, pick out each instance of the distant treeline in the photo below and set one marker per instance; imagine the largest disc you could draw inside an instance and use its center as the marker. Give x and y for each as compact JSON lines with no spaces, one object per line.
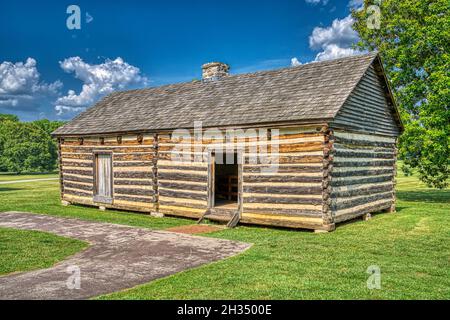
{"x":27,"y":146}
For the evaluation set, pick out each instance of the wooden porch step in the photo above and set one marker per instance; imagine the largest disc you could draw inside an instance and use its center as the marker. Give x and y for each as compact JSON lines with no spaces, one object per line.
{"x":219,"y":217}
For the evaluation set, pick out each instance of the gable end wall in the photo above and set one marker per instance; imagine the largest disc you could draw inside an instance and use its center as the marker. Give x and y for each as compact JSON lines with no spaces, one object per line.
{"x":368,"y":109}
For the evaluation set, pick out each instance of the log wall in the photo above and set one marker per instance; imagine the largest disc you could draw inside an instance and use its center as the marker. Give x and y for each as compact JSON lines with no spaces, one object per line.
{"x":320,"y":175}
{"x":291,"y":195}
{"x":363,"y":174}
{"x":133,"y":178}
{"x":182,"y":177}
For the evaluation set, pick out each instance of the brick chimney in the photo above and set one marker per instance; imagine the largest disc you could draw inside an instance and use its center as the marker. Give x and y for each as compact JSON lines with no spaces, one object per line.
{"x":214,"y":71}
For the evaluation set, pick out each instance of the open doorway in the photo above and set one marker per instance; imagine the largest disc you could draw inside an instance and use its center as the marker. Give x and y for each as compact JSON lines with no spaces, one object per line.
{"x":226,"y":181}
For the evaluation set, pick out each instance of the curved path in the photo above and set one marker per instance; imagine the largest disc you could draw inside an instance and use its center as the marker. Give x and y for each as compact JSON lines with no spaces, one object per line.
{"x":119,"y":257}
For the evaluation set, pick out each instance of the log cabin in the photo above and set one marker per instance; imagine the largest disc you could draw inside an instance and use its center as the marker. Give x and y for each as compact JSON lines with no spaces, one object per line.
{"x":303,"y":147}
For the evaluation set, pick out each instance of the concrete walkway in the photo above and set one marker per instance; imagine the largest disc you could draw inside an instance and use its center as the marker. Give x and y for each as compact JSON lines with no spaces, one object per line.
{"x":119,"y":257}
{"x":27,"y":180}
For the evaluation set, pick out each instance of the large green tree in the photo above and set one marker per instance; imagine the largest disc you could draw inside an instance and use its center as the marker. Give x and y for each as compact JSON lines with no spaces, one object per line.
{"x":413,"y":39}
{"x":27,"y":146}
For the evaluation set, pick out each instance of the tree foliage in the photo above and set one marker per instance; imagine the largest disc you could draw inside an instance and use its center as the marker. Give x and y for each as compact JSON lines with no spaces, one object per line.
{"x":414,"y":43}
{"x":27,"y":146}
{"x":9,"y":117}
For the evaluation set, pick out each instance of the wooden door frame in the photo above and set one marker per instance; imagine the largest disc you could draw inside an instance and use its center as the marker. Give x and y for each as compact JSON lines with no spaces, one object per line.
{"x":211,"y":179}
{"x":97,"y":198}
{"x":240,"y":163}
{"x":212,"y":174}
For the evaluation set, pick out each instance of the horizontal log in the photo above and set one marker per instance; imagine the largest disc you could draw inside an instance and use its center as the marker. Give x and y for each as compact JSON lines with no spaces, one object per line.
{"x":134,"y":199}
{"x":357,"y":142}
{"x":88,"y":173}
{"x":110,"y":142}
{"x":133,"y":174}
{"x":282,"y":200}
{"x":134,"y":191}
{"x":284,"y":169}
{"x":115,"y":150}
{"x":134,"y":142}
{"x":77,"y":164}
{"x":182,"y":176}
{"x":76,"y":178}
{"x":359,"y":148}
{"x":346,"y":182}
{"x":356,"y":154}
{"x":284,"y":159}
{"x":81,"y":187}
{"x":118,"y":164}
{"x":280,"y":178}
{"x":366,"y":173}
{"x":182,"y":185}
{"x":186,"y":168}
{"x":357,"y":164}
{"x":134,"y":157}
{"x":282,"y":221}
{"x":133,"y":182}
{"x":282,"y":190}
{"x":183,"y":194}
{"x":134,"y":169}
{"x":183,"y":203}
{"x":132,"y":205}
{"x":281,"y":206}
{"x":301,"y":147}
{"x":81,"y":156}
{"x":284,"y":136}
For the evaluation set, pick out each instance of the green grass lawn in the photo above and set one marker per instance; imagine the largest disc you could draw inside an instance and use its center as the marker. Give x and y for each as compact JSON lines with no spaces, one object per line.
{"x":43,"y":197}
{"x":13,"y":177}
{"x":23,"y":250}
{"x":411,"y":248}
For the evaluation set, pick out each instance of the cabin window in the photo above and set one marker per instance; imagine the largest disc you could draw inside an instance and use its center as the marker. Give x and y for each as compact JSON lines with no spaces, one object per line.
{"x":103,"y":178}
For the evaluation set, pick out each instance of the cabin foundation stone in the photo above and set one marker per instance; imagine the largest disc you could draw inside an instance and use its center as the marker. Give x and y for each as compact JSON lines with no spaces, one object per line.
{"x":65,"y":203}
{"x":157,"y":214}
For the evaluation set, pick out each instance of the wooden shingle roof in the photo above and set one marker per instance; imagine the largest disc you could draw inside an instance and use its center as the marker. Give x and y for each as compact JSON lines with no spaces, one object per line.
{"x":307,"y":93}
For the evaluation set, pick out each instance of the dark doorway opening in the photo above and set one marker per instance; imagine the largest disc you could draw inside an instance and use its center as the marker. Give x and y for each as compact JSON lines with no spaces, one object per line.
{"x":226,"y":181}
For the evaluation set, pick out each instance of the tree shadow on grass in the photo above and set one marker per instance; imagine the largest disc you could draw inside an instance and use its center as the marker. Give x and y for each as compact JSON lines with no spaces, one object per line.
{"x":434,"y":196}
{"x":9,"y":189}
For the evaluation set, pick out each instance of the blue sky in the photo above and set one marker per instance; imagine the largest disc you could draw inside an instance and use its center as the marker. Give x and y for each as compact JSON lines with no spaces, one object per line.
{"x":158,"y":42}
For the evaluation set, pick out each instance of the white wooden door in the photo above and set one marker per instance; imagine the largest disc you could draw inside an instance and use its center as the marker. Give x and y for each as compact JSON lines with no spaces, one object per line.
{"x":103,"y":177}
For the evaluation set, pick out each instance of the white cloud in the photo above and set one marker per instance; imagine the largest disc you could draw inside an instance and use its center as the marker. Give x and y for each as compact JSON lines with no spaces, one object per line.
{"x":333,"y":51}
{"x":340,"y":33}
{"x":20,"y":85}
{"x":335,"y":41}
{"x":295,"y":62}
{"x":98,"y":80}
